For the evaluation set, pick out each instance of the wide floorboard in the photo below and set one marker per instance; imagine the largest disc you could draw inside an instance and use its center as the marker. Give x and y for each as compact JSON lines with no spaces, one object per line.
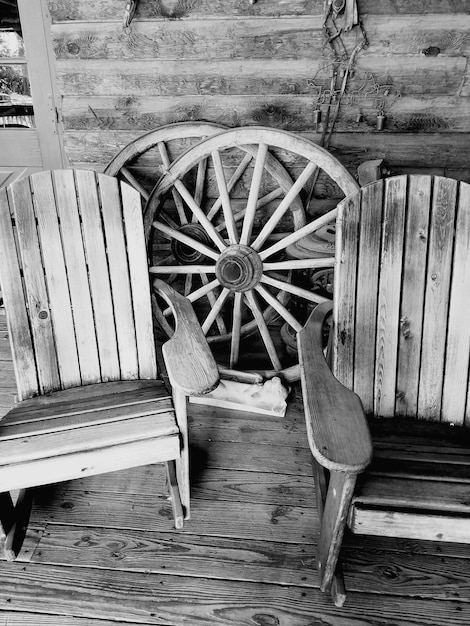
{"x":102,"y":551}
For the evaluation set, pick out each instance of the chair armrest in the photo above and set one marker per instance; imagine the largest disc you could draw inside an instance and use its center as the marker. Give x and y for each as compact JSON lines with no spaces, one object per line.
{"x":191,"y":367}
{"x":337,"y":428}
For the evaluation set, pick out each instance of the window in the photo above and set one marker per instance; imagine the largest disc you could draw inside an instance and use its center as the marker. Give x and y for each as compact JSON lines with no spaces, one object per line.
{"x":16,"y":103}
{"x":30,"y":130}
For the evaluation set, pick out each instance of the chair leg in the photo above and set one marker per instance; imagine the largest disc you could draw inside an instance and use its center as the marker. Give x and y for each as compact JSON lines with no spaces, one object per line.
{"x":333,"y":523}
{"x":175,"y":496}
{"x":13,"y":522}
{"x":182,"y":464}
{"x":338,"y":588}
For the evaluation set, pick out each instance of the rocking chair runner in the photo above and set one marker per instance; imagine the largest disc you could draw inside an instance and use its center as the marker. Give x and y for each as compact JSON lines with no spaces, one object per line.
{"x":400,"y":345}
{"x":74,"y":277}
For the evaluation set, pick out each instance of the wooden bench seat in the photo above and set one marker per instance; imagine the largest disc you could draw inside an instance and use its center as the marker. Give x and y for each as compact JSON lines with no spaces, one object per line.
{"x":75,"y":424}
{"x":418,"y":484}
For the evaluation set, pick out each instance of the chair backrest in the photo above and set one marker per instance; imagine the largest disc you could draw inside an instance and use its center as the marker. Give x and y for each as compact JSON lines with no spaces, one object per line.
{"x":402,"y":297}
{"x":74,"y":277}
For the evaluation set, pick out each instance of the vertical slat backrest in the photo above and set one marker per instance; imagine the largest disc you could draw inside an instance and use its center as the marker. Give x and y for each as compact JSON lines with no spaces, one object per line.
{"x":75,"y":282}
{"x":402,"y":332}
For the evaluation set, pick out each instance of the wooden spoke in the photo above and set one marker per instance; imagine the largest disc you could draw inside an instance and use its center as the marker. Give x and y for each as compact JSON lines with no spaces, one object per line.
{"x":298,"y":234}
{"x":215,"y":310}
{"x":188,"y":284}
{"x":186,"y":240}
{"x":280,"y":308}
{"x":293,"y":289}
{"x":272,"y":195}
{"x":132,"y":180}
{"x":163,"y":215}
{"x":200,"y":178}
{"x":283,"y":206}
{"x":236,"y":329}
{"x":204,"y":290}
{"x":253,"y":195}
{"x":231,"y":184}
{"x":182,"y":269}
{"x":201,"y":216}
{"x":198,"y":293}
{"x":179,"y":207}
{"x":299,"y":264}
{"x":263,"y":329}
{"x":212,"y":301}
{"x":225,"y":198}
{"x":176,"y":197}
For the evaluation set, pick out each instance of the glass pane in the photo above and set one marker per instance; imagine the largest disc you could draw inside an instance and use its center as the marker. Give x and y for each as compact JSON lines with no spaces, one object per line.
{"x":11,"y":45}
{"x":16,"y":104}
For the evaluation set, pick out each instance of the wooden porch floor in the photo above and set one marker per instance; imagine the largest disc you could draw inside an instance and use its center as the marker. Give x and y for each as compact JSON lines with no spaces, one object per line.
{"x":102,"y":550}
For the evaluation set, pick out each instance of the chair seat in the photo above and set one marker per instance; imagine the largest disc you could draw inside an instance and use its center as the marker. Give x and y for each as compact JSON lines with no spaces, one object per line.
{"x":418,"y":484}
{"x":46,"y":437}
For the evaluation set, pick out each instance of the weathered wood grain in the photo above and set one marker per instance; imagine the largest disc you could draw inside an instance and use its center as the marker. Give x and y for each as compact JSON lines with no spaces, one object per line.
{"x":218,"y":484}
{"x":74,"y":253}
{"x":203,"y":39}
{"x":278,"y":522}
{"x":20,"y":618}
{"x":177,"y":553}
{"x":389,"y":288}
{"x":436,"y":302}
{"x":64,"y":10}
{"x":366,"y":300}
{"x":411,"y":306}
{"x":151,"y":600}
{"x":43,"y":356}
{"x":419,"y":576}
{"x":90,"y":10}
{"x":257,"y":561}
{"x":292,"y":37}
{"x":411,"y":74}
{"x":55,"y":271}
{"x":416,"y":114}
{"x":455,"y":389}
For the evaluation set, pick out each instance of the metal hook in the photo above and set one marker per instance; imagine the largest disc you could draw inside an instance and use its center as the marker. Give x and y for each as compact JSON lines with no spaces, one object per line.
{"x":129,"y":13}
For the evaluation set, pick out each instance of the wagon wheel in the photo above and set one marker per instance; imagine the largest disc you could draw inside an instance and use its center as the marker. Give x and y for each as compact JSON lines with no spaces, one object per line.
{"x":178,"y":219}
{"x":142,"y":162}
{"x":240,"y":261}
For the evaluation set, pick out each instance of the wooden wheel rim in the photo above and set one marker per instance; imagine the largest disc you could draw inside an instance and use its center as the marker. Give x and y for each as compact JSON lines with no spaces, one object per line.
{"x":253,"y":140}
{"x":169,"y":132}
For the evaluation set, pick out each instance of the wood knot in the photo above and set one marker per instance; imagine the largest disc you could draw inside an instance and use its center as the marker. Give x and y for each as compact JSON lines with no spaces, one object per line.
{"x":73,"y":48}
{"x":43,"y":315}
{"x":265,"y":619}
{"x":432,"y":51}
{"x":405,"y":327}
{"x":391,"y":573}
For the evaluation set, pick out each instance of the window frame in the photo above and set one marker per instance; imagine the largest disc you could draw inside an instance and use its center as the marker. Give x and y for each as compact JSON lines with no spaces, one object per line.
{"x":42,"y":146}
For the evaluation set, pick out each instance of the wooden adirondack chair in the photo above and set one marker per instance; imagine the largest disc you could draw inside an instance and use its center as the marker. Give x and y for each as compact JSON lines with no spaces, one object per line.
{"x":399,"y":348}
{"x":74,"y":277}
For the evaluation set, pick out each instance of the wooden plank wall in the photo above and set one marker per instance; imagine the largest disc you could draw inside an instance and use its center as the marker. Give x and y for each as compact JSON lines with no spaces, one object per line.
{"x":231,"y":62}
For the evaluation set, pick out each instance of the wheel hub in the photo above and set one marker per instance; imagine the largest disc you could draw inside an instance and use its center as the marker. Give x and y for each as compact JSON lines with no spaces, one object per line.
{"x":239,"y":268}
{"x":185,"y":255}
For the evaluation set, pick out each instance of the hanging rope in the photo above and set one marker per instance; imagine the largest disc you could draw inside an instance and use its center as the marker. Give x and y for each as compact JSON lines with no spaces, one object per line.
{"x":341,"y":68}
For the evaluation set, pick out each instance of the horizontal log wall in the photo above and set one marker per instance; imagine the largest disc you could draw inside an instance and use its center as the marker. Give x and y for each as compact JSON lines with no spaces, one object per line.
{"x":235,"y":63}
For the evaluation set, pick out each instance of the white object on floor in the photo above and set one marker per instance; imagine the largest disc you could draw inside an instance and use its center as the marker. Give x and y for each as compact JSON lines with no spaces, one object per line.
{"x":268,"y":398}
